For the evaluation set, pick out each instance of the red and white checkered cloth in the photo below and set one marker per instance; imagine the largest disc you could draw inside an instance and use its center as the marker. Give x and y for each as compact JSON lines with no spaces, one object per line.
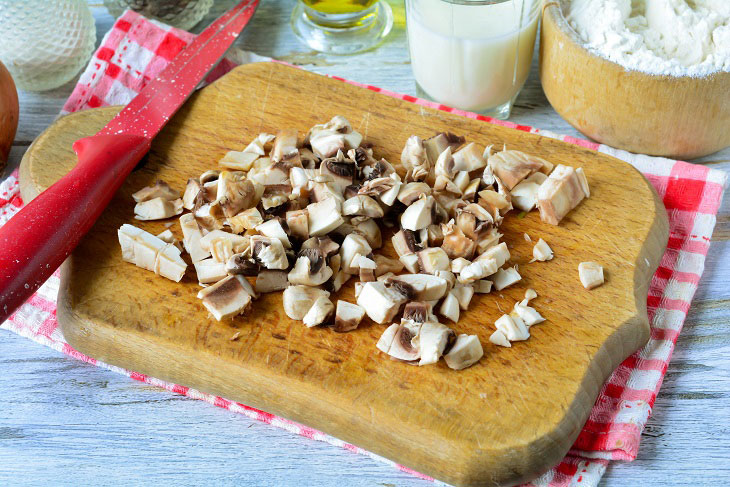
{"x":136,"y":49}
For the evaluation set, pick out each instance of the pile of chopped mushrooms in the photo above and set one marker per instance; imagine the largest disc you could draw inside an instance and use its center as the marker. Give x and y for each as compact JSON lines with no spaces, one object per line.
{"x":306,"y":217}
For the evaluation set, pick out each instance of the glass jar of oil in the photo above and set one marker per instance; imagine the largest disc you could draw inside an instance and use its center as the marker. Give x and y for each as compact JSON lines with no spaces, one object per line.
{"x":342,"y":26}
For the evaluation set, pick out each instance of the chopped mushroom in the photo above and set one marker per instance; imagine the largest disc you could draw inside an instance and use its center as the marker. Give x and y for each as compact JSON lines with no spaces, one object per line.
{"x":320,"y":311}
{"x":246,"y":220}
{"x":285,"y":146}
{"x":499,"y":338}
{"x":353,"y":245}
{"x":362,"y":262}
{"x":242,"y":161}
{"x":233,"y":195}
{"x":362,"y":205}
{"x":435,"y":236}
{"x":226,"y":298}
{"x":299,"y":299}
{"x":417,"y":311}
{"x":418,"y":215}
{"x":470,"y":192}
{"x":463,"y":293}
{"x":591,"y":274}
{"x":258,"y":144}
{"x":560,"y":193}
{"x":310,"y":268}
{"x":305,"y":216}
{"x":436,"y":145}
{"x":401,"y":346}
{"x":458,"y":264}
{"x":541,"y":251}
{"x":512,"y":166}
{"x":384,"y":265}
{"x":223,"y":245}
{"x":432,"y":340}
{"x":348,"y":316}
{"x":410,"y":263}
{"x":370,"y":230}
{"x":512,"y":327}
{"x":478,"y":270}
{"x":191,"y":238}
{"x":447,"y":276}
{"x":450,"y":308}
{"x":269,"y":252}
{"x":298,"y":223}
{"x":339,"y":171}
{"x":505,"y":278}
{"x":530,"y":294}
{"x":524,"y":195}
{"x":191,"y":192}
{"x":157,"y":209}
{"x":488,"y":240}
{"x":404,"y":243}
{"x":159,"y":190}
{"x":168,"y":237}
{"x":268,"y":281}
{"x":381,"y":303}
{"x":499,"y":254}
{"x":469,"y":158}
{"x":421,"y":287}
{"x":210,"y":270}
{"x":445,"y":164}
{"x":482,"y":286}
{"x":386,"y":339}
{"x":414,"y":158}
{"x":340,"y":279}
{"x":149,"y":252}
{"x":411,"y":192}
{"x":432,"y":259}
{"x":273,"y":228}
{"x":324,"y":216}
{"x":244,"y":265}
{"x":466,"y":351}
{"x":455,"y":243}
{"x":528,"y":314}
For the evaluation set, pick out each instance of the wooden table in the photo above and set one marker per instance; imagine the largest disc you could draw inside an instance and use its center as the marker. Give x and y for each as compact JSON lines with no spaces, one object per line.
{"x":67,"y":422}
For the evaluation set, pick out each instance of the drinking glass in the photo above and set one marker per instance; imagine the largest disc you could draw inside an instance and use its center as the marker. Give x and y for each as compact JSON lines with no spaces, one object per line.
{"x":342,"y":26}
{"x":472,"y":54}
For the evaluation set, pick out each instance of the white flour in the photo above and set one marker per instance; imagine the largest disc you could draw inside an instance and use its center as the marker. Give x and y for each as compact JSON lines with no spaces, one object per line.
{"x":672,"y":37}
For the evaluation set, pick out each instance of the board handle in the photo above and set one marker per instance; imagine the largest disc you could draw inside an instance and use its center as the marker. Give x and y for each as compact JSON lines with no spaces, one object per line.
{"x":36,"y":241}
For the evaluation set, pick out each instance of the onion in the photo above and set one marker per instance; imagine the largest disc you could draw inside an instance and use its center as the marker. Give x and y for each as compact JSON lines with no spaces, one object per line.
{"x":8,"y":114}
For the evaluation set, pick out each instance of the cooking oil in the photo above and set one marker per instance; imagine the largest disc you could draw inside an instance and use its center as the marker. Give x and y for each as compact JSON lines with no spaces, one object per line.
{"x":338,"y":7}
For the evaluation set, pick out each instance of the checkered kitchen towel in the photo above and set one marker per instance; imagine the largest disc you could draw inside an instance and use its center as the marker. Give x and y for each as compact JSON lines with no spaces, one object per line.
{"x":136,"y":49}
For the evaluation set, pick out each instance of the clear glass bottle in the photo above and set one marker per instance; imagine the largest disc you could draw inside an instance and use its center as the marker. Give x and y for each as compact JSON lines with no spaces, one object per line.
{"x":45,"y":43}
{"x":472,"y":54}
{"x":183,"y":14}
{"x":342,"y":26}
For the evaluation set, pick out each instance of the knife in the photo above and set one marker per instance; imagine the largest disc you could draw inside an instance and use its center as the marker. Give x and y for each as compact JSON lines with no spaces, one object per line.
{"x":37,"y":240}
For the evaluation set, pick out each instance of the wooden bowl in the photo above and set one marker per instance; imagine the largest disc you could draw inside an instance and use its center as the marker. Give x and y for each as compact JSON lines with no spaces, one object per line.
{"x":677,"y":117}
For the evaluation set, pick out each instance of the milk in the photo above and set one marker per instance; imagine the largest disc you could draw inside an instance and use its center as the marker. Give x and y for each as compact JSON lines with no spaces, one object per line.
{"x":473,"y":57}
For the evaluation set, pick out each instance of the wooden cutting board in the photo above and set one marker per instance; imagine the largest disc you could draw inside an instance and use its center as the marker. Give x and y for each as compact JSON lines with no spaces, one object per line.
{"x":503,"y":421}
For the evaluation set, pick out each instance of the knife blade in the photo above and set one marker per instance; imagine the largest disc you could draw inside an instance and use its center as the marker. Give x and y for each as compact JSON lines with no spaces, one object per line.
{"x":44,"y":233}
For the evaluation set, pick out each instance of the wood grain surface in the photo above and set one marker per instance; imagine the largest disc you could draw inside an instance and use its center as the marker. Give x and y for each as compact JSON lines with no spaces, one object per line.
{"x":506,"y":419}
{"x":67,"y":422}
{"x":676,"y":117}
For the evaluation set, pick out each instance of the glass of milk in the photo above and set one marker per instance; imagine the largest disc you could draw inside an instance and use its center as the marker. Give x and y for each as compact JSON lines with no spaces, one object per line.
{"x":472,"y":54}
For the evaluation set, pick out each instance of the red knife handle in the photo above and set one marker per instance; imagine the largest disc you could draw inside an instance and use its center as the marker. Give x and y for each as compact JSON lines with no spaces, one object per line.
{"x":37,"y":240}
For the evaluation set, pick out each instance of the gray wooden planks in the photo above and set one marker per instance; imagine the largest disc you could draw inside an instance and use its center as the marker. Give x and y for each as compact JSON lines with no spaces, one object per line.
{"x":66,"y":422}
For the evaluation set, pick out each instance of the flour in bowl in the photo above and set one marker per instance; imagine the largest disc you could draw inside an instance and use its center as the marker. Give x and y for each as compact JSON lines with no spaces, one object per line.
{"x":665,"y":37}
